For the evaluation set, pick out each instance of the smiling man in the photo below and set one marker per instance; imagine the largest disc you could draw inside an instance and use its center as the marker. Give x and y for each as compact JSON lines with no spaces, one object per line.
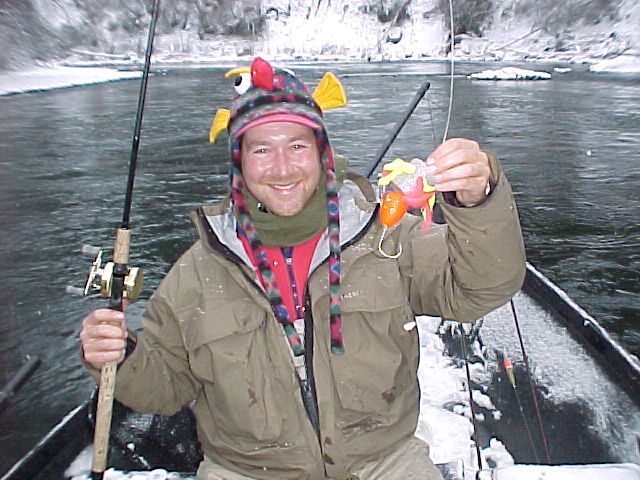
{"x":283,"y":324}
{"x":281,"y":166}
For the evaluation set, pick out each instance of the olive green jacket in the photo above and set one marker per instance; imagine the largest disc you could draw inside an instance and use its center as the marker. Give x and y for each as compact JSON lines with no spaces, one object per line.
{"x":210,"y":336}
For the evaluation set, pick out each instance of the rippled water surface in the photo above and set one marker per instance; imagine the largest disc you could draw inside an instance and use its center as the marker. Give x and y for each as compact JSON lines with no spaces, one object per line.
{"x":570,"y":147}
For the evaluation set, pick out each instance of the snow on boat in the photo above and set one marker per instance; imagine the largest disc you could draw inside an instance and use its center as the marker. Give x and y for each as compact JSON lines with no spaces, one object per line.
{"x":572,"y":411}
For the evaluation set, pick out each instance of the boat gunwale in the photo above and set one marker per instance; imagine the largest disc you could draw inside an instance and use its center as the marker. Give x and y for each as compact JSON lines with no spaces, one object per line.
{"x":622,"y":366}
{"x":35,"y":463}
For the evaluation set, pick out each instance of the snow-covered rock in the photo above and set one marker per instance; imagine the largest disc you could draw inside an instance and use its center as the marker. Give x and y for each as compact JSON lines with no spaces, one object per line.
{"x":510,"y":73}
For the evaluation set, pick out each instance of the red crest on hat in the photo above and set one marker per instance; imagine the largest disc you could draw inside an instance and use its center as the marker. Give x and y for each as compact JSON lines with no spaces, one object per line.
{"x":261,"y":74}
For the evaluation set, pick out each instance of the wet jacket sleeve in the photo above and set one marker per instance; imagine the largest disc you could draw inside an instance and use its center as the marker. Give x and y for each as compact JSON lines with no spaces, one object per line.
{"x":155,"y":377}
{"x":472,"y":265}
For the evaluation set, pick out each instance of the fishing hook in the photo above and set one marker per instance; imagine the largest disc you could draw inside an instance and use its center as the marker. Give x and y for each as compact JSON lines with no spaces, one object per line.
{"x":382,"y":252}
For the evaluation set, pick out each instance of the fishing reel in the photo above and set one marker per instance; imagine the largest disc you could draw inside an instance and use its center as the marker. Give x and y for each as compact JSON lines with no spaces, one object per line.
{"x":101,"y":275}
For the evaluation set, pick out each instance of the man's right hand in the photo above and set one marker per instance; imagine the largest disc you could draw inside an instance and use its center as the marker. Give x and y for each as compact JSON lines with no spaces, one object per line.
{"x":103,"y":337}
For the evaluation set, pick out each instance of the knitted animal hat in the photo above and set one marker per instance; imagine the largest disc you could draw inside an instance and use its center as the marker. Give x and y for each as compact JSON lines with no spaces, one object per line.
{"x":265,"y":95}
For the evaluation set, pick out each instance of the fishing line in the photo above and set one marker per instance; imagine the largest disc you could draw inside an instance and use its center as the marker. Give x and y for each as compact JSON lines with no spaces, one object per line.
{"x":451,"y":78}
{"x":433,"y":130}
{"x":474,"y":421}
{"x":525,"y":357}
{"x":452,"y":70}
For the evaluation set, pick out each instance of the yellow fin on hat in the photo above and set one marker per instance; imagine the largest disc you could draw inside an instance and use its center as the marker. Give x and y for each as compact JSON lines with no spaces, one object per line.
{"x":329,"y":93}
{"x":219,"y":123}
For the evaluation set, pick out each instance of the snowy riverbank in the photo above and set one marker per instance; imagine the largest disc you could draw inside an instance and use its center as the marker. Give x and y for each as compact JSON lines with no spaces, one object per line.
{"x":50,"y":78}
{"x":64,"y":76}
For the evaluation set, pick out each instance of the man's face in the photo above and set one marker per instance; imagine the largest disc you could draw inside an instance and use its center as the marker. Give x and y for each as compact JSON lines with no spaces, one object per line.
{"x":281,"y":165}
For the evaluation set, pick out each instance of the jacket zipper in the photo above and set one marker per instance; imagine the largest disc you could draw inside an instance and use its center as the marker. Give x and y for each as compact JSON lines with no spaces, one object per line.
{"x":303,"y":363}
{"x":307,"y":384}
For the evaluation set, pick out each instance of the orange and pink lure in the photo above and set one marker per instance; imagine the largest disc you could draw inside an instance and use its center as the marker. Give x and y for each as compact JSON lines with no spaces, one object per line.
{"x":411,"y":180}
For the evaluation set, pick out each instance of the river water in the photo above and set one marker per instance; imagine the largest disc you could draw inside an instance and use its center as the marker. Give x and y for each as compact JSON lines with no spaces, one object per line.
{"x":570,"y":147}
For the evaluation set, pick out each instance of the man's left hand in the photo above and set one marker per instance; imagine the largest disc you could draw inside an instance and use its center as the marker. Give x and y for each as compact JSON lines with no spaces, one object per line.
{"x":461,"y":167}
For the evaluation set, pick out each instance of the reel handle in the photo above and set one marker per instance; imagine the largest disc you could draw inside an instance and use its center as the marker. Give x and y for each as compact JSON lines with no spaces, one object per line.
{"x":90,"y":250}
{"x":71,"y":290}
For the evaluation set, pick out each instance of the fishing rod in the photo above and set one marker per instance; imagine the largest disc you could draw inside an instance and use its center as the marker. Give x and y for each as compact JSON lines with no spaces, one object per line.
{"x":396,"y":130}
{"x":511,"y":377}
{"x":506,"y":364}
{"x":18,"y":380}
{"x":525,"y":358}
{"x":116,"y":280}
{"x":474,"y":420}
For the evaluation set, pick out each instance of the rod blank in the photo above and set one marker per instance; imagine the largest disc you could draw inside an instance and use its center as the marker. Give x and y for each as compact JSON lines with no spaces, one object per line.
{"x":412,"y":106}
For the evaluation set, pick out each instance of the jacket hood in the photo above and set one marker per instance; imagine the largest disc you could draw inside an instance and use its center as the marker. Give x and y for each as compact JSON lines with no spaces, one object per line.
{"x":357,"y":207}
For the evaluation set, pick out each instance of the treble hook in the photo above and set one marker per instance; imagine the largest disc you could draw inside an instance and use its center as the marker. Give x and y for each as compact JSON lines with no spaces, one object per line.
{"x":382,"y":252}
{"x":391,"y":211}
